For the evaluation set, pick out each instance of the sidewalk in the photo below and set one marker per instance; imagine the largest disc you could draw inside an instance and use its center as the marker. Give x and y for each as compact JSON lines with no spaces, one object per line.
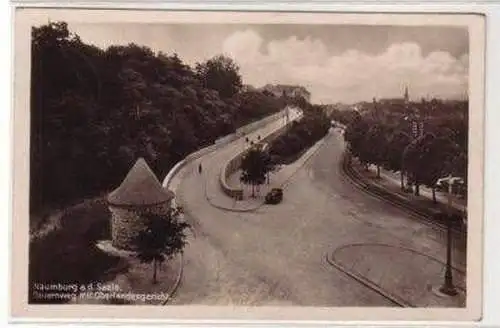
{"x":278,"y":179}
{"x":392,"y":182}
{"x":408,"y":277}
{"x":134,"y":278}
{"x":218,"y":199}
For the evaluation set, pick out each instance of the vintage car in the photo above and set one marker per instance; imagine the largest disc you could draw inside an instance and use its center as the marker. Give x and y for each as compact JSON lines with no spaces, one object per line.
{"x":275,"y":196}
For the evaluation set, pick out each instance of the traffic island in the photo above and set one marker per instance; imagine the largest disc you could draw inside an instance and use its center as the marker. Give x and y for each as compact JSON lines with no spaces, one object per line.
{"x":278,"y":179}
{"x":403,"y":275}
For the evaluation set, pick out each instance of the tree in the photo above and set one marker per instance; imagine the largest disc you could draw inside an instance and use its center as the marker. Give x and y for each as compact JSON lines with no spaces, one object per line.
{"x":270,"y":164}
{"x":396,"y":145}
{"x":411,"y":163}
{"x":64,"y":95}
{"x":221,"y":74}
{"x":163,"y":237}
{"x":94,"y":111}
{"x":459,"y":165}
{"x":355,"y":136}
{"x":343,"y":116}
{"x":255,"y":165}
{"x":438,"y":156}
{"x":427,"y":159}
{"x":300,"y":135}
{"x":374,"y":146}
{"x":255,"y":104}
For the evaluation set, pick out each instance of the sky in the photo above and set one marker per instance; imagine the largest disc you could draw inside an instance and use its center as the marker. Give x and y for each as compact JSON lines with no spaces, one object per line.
{"x":336,"y":63}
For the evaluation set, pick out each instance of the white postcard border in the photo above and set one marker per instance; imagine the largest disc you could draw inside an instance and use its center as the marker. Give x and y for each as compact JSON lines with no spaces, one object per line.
{"x":25,"y":18}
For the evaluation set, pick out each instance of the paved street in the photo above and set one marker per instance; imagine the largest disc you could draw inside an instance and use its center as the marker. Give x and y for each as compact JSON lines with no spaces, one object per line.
{"x":277,"y":254}
{"x":297,"y":107}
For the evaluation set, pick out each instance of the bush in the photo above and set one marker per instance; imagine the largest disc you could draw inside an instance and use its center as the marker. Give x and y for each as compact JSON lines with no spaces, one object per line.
{"x":68,"y":254}
{"x":300,"y":135}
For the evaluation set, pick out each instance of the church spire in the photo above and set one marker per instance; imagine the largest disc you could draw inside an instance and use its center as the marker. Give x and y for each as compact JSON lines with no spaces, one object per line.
{"x":406,"y":96}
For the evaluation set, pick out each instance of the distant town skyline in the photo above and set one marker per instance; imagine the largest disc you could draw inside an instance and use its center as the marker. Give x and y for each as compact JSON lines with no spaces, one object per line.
{"x":336,"y":63}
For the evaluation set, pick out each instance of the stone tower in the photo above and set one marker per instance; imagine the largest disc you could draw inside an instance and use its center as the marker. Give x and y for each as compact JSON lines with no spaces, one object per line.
{"x":139,"y":192}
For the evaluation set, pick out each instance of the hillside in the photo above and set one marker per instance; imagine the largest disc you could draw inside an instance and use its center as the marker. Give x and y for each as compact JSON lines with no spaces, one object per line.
{"x":95,"y":111}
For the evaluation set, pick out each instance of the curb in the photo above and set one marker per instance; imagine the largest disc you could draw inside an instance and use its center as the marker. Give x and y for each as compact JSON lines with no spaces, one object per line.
{"x":251,"y":127}
{"x":218,"y":143}
{"x":283,"y":185}
{"x":378,"y":185}
{"x":430,"y":257}
{"x":454,"y":206}
{"x":229,"y":209}
{"x":376,"y":288}
{"x":172,"y":291}
{"x":320,"y":143}
{"x":231,"y":191}
{"x":330,"y":259}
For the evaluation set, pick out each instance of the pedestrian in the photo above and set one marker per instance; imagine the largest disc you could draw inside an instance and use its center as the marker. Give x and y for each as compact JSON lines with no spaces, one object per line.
{"x":200,"y":169}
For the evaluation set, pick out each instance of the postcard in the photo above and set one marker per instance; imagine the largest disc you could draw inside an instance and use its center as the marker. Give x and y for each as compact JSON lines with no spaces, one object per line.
{"x":195,"y":165}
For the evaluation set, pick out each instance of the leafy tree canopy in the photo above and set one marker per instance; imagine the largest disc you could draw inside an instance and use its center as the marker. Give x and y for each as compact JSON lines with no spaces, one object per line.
{"x":95,"y":111}
{"x":254,"y":166}
{"x":163,"y":236}
{"x":221,"y":74}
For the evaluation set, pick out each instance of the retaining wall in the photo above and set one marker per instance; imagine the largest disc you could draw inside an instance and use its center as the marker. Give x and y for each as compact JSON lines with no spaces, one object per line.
{"x":218,"y":144}
{"x":235,"y":163}
{"x":127,"y":222}
{"x":256,"y":125}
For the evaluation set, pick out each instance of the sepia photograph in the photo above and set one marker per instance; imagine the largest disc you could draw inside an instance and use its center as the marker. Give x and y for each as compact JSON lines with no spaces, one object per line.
{"x":254,"y":160}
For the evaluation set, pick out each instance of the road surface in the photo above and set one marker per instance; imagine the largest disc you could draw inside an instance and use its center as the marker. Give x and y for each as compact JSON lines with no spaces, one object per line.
{"x":276,"y":255}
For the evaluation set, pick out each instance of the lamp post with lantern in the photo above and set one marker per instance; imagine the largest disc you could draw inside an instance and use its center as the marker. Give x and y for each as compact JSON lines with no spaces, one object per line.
{"x":448,"y":287}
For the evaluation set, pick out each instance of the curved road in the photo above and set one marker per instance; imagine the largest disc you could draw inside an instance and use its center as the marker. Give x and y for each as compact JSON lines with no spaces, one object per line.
{"x":276,"y":255}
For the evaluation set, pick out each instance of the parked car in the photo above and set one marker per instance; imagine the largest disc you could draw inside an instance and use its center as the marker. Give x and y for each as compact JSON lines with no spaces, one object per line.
{"x":275,"y":196}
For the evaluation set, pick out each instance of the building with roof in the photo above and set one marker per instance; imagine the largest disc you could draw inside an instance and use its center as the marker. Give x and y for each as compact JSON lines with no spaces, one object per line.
{"x":279,"y":90}
{"x":139,"y":192}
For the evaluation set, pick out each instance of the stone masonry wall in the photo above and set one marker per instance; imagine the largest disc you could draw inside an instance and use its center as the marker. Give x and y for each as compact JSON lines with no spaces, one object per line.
{"x":126,"y":223}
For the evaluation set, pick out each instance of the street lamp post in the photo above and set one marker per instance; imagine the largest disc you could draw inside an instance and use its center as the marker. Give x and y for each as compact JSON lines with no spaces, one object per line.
{"x":448,"y":287}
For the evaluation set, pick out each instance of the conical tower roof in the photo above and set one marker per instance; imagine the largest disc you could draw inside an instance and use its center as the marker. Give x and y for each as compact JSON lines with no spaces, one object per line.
{"x":140,"y":187}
